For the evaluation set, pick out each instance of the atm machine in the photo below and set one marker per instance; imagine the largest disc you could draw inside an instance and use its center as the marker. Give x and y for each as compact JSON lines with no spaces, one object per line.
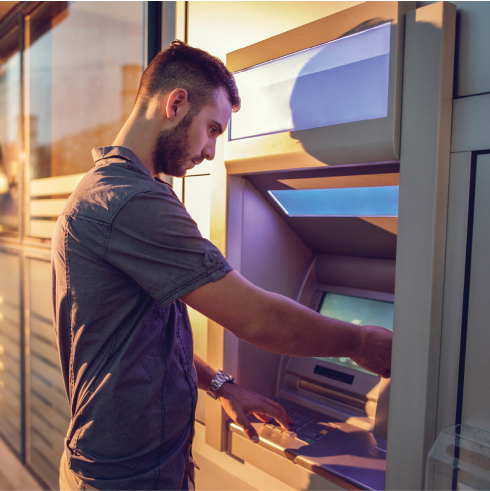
{"x":342,"y":267}
{"x":313,"y":164}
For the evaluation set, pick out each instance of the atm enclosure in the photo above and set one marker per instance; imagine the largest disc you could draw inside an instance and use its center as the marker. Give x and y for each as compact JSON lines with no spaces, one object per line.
{"x":319,"y":258}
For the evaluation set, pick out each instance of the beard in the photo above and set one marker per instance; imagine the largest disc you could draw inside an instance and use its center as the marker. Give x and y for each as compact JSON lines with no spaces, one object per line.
{"x":171,"y":153}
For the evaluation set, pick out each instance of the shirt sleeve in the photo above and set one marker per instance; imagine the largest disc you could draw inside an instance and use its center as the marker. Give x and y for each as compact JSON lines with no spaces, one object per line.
{"x":155,"y":241}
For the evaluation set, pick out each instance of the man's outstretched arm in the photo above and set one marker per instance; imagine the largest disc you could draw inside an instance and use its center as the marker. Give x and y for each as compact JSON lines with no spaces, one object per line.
{"x":239,"y":402}
{"x":278,"y":324}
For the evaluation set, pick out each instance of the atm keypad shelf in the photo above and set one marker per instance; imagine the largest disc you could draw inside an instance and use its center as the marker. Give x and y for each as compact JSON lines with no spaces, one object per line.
{"x":338,"y":451}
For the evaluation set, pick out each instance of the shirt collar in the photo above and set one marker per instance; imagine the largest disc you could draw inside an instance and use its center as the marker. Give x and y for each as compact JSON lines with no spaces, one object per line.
{"x":101,"y":153}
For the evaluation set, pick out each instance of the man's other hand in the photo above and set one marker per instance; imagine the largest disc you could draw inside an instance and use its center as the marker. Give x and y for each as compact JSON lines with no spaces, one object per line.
{"x":239,"y":403}
{"x":374,"y":350}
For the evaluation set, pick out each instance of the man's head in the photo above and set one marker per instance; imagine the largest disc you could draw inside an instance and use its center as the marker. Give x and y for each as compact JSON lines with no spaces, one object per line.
{"x":186,"y":76}
{"x":192,"y":69}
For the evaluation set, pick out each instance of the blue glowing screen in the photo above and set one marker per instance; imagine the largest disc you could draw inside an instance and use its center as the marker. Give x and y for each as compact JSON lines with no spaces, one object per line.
{"x":381,"y":201}
{"x":341,"y":81}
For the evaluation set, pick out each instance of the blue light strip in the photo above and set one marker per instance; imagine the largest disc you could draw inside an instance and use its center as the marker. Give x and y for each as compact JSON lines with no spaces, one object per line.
{"x":379,"y":201}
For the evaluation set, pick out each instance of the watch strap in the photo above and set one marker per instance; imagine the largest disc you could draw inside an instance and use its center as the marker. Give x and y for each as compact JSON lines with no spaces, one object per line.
{"x":217,"y":382}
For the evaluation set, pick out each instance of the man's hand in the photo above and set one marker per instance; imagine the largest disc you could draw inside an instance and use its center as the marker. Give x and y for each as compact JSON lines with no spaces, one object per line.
{"x":238,"y":403}
{"x":374,"y":350}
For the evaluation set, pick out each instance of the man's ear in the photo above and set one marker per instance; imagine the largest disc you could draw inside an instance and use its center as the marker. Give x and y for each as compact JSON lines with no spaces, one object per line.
{"x":177,"y":104}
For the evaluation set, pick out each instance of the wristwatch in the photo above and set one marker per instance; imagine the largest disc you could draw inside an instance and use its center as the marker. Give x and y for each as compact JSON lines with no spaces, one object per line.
{"x":218,"y":380}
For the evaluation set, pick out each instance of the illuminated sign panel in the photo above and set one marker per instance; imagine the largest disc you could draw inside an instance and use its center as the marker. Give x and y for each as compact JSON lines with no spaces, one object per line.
{"x":341,"y":81}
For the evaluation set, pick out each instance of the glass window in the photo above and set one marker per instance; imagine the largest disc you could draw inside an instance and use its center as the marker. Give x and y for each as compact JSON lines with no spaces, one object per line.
{"x":83,"y":63}
{"x":9,"y":132}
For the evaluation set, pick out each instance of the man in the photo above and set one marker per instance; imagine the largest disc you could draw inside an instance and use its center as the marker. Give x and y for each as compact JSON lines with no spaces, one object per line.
{"x":127,"y":258}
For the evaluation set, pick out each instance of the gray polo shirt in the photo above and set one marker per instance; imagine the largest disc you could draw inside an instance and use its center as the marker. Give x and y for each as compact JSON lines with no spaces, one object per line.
{"x":124,"y":251}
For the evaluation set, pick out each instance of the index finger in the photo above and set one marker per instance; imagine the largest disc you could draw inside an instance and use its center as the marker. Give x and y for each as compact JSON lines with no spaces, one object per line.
{"x":276,"y":411}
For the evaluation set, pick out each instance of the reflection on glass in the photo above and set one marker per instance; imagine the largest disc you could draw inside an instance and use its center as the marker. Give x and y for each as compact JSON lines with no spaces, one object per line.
{"x":10,"y":373}
{"x":376,"y":201}
{"x":9,"y":131}
{"x":337,"y":82}
{"x":83,"y":63}
{"x":356,"y":310}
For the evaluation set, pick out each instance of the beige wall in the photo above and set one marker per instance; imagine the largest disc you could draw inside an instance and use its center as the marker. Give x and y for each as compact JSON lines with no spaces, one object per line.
{"x":222,"y":27}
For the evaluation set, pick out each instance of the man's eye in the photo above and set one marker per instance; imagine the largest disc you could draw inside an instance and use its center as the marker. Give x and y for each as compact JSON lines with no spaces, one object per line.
{"x":213,"y":129}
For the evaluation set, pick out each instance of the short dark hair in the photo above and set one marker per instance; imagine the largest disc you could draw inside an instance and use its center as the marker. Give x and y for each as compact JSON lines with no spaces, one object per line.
{"x":192,"y":69}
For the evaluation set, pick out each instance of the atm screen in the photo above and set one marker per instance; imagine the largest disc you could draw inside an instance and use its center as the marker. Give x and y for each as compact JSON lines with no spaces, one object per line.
{"x":355,"y":310}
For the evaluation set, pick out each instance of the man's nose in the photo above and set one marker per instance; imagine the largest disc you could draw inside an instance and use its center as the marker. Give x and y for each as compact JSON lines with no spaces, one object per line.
{"x":209,"y":150}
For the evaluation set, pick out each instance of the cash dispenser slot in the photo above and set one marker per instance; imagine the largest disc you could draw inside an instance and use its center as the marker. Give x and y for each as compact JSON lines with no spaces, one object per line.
{"x":323,"y":391}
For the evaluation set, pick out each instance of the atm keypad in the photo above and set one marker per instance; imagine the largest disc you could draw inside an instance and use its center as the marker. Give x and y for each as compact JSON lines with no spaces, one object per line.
{"x":305,"y":428}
